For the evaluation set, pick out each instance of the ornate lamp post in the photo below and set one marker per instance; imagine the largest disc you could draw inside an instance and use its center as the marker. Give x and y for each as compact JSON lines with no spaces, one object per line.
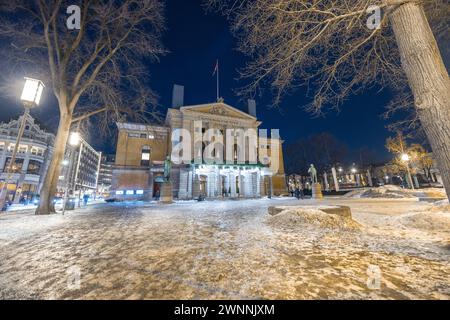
{"x":31,"y":96}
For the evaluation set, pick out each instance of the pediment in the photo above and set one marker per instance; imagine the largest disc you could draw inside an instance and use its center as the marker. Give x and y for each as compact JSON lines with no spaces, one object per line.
{"x":219,"y":109}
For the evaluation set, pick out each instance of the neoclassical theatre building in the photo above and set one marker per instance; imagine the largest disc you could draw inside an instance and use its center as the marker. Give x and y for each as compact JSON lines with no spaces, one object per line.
{"x":142,"y":149}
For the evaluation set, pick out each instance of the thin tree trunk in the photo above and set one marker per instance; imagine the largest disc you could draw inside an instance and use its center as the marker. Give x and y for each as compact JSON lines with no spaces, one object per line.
{"x":46,"y":205}
{"x":428,"y":79}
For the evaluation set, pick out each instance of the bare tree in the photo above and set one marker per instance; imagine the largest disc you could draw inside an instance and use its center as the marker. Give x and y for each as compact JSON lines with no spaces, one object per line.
{"x":96,"y":68}
{"x":328,"y":46}
{"x":323,"y":150}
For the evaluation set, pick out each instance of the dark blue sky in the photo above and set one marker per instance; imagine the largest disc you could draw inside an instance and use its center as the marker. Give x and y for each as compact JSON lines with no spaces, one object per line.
{"x":195,"y":40}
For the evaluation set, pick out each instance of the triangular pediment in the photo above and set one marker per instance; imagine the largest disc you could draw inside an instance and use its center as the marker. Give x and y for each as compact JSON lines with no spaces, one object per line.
{"x":219,"y":109}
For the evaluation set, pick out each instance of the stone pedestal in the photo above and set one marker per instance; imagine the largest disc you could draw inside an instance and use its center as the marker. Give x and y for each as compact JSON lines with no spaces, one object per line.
{"x":166,"y":192}
{"x":317,"y":191}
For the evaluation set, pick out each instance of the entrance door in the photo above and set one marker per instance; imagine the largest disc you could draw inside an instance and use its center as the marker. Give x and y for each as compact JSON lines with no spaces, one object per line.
{"x":223,"y":184}
{"x":203,"y":186}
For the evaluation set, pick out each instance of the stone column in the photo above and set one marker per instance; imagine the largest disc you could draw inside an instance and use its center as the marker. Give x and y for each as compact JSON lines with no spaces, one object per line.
{"x":325,"y":178}
{"x":335,"y":180}
{"x":369,"y":177}
{"x":270,"y":187}
{"x":262,"y":186}
{"x":189,"y":185}
{"x":234,"y":185}
{"x":416,"y":182}
{"x":258,"y":184}
{"x":240,"y":183}
{"x":196,"y":186}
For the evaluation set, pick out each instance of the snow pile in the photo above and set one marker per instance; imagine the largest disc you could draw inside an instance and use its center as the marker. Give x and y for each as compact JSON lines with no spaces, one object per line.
{"x":299,"y":217}
{"x":442,"y":203}
{"x":389,"y":191}
{"x":396,"y":192}
{"x":436,"y":219}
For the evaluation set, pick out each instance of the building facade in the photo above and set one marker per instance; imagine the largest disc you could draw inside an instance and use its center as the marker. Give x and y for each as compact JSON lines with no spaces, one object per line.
{"x":80,"y":170}
{"x":32,"y":160}
{"x":105,"y":175}
{"x":142,"y":150}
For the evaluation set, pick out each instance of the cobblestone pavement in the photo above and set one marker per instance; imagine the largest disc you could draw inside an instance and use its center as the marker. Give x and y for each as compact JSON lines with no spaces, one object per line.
{"x":219,"y":249}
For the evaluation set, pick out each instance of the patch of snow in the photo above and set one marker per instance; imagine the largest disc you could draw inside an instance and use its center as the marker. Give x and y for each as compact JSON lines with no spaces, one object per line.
{"x":442,"y":203}
{"x":227,"y":250}
{"x":428,"y":220}
{"x":21,"y":207}
{"x":396,"y":192}
{"x":299,"y":216}
{"x":392,"y":192}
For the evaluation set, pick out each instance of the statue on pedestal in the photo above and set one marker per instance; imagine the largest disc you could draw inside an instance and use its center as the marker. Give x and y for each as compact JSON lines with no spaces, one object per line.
{"x":313,"y":173}
{"x":166,"y":191}
{"x":167,"y":168}
{"x":316,"y":187}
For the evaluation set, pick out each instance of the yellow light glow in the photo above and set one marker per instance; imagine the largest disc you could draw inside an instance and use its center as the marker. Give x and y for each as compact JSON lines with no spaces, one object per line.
{"x":405,"y":157}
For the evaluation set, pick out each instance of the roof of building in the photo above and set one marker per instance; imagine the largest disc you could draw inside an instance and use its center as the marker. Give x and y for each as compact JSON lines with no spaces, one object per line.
{"x":32,"y":130}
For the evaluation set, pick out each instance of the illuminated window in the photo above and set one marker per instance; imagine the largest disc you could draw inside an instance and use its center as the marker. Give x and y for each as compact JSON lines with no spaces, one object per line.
{"x":130,"y":192}
{"x":119,"y":192}
{"x":139,"y":191}
{"x":17,"y":167}
{"x":145,"y":156}
{"x":2,"y":146}
{"x":34,"y":167}
{"x":23,"y":149}
{"x":37,"y":151}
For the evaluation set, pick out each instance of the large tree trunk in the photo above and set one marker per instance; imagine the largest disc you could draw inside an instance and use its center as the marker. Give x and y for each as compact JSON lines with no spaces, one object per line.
{"x":428,"y":79}
{"x":46,"y":205}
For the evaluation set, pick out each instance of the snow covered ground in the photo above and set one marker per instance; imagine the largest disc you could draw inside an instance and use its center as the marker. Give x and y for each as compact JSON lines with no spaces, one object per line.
{"x":400,"y":249}
{"x":396,"y":192}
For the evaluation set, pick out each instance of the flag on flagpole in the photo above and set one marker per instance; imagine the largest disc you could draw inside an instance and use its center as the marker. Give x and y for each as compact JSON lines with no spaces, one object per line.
{"x":216,"y":69}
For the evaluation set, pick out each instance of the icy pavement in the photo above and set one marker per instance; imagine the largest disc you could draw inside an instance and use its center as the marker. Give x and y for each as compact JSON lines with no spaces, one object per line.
{"x":225,"y":249}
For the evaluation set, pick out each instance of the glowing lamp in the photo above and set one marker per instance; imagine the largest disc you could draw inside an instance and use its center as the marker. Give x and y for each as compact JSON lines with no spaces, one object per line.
{"x":32,"y":92}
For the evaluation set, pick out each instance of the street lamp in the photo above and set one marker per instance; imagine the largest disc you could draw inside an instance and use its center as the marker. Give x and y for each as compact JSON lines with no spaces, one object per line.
{"x":31,"y":96}
{"x":74,"y":138}
{"x":405,"y":158}
{"x":32,"y":92}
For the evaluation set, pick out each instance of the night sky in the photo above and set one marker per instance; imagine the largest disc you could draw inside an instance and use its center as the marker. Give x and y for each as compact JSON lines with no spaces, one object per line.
{"x":195,"y":40}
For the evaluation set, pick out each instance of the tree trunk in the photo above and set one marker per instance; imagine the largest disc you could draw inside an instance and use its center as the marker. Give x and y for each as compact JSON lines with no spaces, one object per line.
{"x":428,"y":79}
{"x":46,"y":205}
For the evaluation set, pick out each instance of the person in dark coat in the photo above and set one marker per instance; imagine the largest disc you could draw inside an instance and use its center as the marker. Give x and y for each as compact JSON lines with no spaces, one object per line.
{"x":297,"y":193}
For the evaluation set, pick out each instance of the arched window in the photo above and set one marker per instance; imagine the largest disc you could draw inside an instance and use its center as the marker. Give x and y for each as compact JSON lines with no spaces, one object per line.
{"x":145,"y":156}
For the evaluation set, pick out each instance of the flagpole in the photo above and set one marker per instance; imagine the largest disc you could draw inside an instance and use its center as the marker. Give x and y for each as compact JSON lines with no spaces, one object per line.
{"x":218,"y":70}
